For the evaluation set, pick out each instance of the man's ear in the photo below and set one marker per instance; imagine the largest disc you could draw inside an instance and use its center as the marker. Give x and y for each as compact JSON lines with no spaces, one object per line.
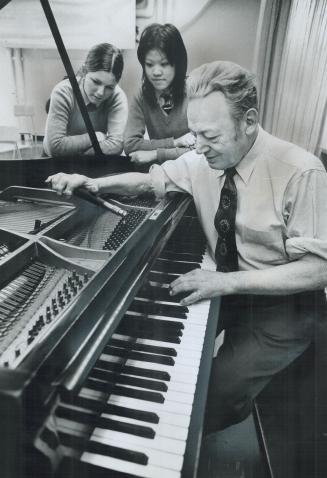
{"x":251,"y":121}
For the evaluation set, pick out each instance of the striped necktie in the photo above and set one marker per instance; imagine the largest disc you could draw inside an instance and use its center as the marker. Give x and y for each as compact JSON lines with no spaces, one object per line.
{"x":226,"y":251}
{"x":166,"y":102}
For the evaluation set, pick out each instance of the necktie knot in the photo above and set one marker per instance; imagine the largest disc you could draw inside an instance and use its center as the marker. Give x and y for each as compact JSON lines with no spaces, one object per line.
{"x":230,"y":172}
{"x":166,"y":102}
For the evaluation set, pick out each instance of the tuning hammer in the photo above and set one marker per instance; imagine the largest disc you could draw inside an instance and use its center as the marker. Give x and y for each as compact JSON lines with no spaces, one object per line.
{"x":88,"y":196}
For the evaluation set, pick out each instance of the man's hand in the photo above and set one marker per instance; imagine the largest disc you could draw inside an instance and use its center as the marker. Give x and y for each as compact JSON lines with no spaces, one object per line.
{"x":64,"y":184}
{"x":202,"y":285}
{"x":143,"y":157}
{"x":186,"y":141}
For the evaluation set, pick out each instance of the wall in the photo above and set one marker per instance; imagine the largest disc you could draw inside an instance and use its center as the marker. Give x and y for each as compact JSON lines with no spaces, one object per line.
{"x":224,"y":29}
{"x":7,"y":89}
{"x":323,"y":141}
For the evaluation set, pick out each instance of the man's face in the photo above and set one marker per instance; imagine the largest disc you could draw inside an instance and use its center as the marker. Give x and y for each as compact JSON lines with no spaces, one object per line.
{"x":223,"y":142}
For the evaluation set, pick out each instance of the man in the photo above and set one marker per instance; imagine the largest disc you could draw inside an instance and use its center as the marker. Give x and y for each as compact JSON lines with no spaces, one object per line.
{"x":266,"y":197}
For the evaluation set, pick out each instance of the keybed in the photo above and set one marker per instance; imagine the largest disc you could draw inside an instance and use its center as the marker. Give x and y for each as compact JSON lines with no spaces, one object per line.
{"x":133,"y":413}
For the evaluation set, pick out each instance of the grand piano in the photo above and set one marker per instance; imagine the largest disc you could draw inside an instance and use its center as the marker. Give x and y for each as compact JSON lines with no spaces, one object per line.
{"x":102,"y":373}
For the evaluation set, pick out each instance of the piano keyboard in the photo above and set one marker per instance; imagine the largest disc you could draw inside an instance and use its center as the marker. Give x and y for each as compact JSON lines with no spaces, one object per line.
{"x":132,"y":415}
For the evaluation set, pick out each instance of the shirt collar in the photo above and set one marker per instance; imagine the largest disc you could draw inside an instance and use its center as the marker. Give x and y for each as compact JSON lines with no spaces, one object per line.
{"x":246,"y":165}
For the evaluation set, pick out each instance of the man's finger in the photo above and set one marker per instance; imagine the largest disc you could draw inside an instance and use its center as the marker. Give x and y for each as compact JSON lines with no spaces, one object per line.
{"x":191,"y":299}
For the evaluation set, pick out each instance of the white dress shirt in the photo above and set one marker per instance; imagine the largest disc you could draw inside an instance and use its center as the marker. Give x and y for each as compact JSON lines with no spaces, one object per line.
{"x":282,"y":200}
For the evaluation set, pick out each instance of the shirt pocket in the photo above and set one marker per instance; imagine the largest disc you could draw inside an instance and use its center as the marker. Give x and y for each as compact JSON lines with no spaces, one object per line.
{"x":264,"y":247}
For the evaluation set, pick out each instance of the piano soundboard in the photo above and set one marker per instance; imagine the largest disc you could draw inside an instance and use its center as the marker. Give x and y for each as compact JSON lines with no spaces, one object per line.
{"x":85,"y":314}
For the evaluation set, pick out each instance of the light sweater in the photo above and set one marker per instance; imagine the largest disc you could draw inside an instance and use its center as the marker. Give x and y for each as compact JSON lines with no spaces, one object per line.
{"x":65,"y":130}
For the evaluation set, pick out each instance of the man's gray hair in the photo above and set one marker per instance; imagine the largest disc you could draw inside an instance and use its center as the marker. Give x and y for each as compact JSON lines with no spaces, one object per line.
{"x":235,"y":82}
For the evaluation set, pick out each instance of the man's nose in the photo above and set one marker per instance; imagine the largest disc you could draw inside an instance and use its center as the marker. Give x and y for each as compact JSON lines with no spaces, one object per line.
{"x":201,"y":145}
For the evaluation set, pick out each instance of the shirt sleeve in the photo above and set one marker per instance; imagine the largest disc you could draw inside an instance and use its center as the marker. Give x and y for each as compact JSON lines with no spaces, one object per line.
{"x":170,"y":153}
{"x":174,"y":175}
{"x":117,"y":118}
{"x":135,"y":130}
{"x":57,"y":143}
{"x":306,"y":215}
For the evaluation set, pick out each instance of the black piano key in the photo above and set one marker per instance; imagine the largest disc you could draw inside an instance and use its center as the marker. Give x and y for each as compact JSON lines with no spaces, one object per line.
{"x":182,"y":246}
{"x":161,"y":277}
{"x":156,"y":293}
{"x":150,"y":324}
{"x":152,"y":308}
{"x":117,"y":452}
{"x":124,"y":391}
{"x":156,"y":349}
{"x":159,"y":335}
{"x":93,"y":446}
{"x":176,"y":267}
{"x":141,"y":415}
{"x":127,"y":380}
{"x":103,"y":407}
{"x":96,"y":421}
{"x":180,"y":256}
{"x":144,"y":357}
{"x":50,"y":437}
{"x":131,"y":370}
{"x":140,"y":394}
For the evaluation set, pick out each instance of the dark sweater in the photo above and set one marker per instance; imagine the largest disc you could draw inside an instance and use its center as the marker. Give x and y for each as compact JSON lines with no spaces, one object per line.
{"x":161,"y":128}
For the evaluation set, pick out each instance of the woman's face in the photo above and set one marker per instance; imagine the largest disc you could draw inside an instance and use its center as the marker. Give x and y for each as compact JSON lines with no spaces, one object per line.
{"x":99,"y":86}
{"x":158,"y":70}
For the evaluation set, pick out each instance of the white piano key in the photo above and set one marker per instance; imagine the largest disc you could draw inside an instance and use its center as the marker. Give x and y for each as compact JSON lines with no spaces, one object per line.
{"x":188,"y":361}
{"x":172,"y":385}
{"x":140,"y":444}
{"x":180,"y":420}
{"x":185,"y":349}
{"x":185,"y":374}
{"x":143,"y":471}
{"x":165,"y":417}
{"x":161,"y":428}
{"x":167,"y":406}
{"x":159,"y":449}
{"x":172,"y":395}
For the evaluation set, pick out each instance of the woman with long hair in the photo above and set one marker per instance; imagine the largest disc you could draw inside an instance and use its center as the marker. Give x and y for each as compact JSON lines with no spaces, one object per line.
{"x":65,"y":131}
{"x":160,"y":105}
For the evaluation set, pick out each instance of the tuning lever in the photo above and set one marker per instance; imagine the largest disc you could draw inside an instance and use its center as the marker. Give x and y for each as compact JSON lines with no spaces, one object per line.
{"x":88,"y":196}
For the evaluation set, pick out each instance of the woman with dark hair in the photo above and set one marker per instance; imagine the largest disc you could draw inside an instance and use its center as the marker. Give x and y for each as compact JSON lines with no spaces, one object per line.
{"x":160,"y":105}
{"x":65,"y":131}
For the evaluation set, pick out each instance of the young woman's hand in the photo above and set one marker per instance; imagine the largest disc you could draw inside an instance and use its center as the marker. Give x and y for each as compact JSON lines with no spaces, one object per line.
{"x":100,"y":136}
{"x":186,"y":141}
{"x":143,"y":157}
